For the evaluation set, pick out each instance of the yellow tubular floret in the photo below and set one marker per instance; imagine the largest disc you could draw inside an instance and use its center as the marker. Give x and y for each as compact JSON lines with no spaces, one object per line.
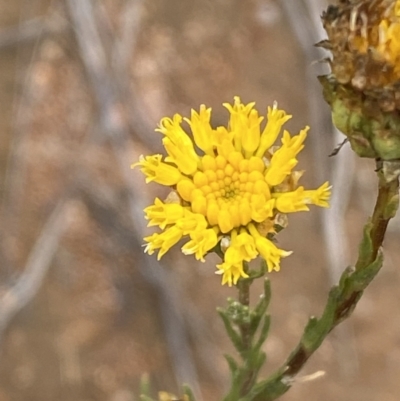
{"x":156,"y":170}
{"x":320,"y":196}
{"x":251,"y":139}
{"x":284,"y":159}
{"x":231,"y":273}
{"x":268,"y":250}
{"x":191,"y":222}
{"x":178,"y":145}
{"x":289,"y":202}
{"x":201,"y":129}
{"x":163,"y":214}
{"x":183,"y":156}
{"x":275,"y":120}
{"x":201,"y":241}
{"x":164,"y":241}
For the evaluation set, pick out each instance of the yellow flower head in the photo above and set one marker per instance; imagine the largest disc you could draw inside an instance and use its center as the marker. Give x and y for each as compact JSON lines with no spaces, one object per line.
{"x":230,"y":190}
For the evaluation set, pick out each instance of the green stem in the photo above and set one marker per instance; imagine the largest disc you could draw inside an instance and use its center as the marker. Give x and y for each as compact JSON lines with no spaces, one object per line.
{"x":379,"y":221}
{"x":244,"y":299}
{"x":380,"y":218}
{"x":244,"y":327}
{"x":342,"y":299}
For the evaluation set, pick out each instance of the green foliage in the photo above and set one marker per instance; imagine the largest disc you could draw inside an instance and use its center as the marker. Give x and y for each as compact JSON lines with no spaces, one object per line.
{"x":248,"y":329}
{"x":187,"y":391}
{"x":145,"y":388}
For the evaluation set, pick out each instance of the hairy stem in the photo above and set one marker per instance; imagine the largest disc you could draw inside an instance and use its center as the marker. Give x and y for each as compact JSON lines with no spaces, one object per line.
{"x":380,"y":218}
{"x":244,"y":327}
{"x":244,"y":299}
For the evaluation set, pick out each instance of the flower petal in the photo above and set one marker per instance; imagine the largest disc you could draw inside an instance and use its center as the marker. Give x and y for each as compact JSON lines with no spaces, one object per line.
{"x":156,"y":170}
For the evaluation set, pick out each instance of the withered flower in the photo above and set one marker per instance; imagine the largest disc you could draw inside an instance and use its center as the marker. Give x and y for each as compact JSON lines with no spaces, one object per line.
{"x":364,"y":86}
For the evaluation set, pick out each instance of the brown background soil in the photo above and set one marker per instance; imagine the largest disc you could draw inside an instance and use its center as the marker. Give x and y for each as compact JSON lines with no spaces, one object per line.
{"x":105,"y":313}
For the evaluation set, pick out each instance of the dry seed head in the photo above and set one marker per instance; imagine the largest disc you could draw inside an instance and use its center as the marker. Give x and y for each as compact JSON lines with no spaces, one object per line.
{"x":363,"y":89}
{"x":364,"y":39}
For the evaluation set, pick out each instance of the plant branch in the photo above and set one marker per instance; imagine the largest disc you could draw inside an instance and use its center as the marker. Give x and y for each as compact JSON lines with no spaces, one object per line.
{"x":244,"y":327}
{"x":385,"y":208}
{"x":343,"y":298}
{"x":244,"y":299}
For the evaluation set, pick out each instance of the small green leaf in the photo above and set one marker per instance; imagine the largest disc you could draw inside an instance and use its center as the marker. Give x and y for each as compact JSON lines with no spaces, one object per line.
{"x":309,"y":330}
{"x":237,"y":381}
{"x":233,"y":366}
{"x":259,"y":361}
{"x":188,"y":392}
{"x":360,"y":279}
{"x":255,"y":319}
{"x":317,"y":329}
{"x":263,"y":333}
{"x":144,"y":386}
{"x":267,"y":390}
{"x":366,"y":249}
{"x":145,"y":398}
{"x":232,"y":333}
{"x":345,"y":277}
{"x":267,"y":291}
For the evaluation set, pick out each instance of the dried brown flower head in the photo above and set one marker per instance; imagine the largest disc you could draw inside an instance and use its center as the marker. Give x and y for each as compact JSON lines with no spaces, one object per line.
{"x":364,"y":87}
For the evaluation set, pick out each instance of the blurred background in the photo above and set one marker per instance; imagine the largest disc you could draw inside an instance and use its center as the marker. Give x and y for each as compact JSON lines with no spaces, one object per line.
{"x":83,"y":312}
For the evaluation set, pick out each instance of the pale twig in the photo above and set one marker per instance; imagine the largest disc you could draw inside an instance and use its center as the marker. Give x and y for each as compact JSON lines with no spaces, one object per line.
{"x":300,"y":14}
{"x":307,"y":35}
{"x":125,"y":46}
{"x":33,"y":28}
{"x":342,"y":172}
{"x":96,"y":64}
{"x":105,"y":211}
{"x":30,"y":31}
{"x":304,"y":17}
{"x":17,"y":293}
{"x":122,"y":58}
{"x":96,"y":61}
{"x":13,"y":299}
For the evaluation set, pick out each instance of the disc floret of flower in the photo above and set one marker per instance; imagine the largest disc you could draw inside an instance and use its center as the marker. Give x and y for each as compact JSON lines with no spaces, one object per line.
{"x":230,"y":184}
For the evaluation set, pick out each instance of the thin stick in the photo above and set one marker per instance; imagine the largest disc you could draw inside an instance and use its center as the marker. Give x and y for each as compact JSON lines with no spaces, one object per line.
{"x":106,"y":92}
{"x":31,"y":30}
{"x":39,"y":261}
